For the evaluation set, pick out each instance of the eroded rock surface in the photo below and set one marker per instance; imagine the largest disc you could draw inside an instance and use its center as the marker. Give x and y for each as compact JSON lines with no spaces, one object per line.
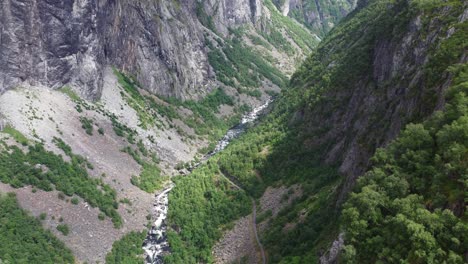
{"x":162,"y":43}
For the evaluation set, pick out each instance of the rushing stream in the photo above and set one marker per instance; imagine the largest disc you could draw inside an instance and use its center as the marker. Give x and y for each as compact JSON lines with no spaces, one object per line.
{"x":156,"y":244}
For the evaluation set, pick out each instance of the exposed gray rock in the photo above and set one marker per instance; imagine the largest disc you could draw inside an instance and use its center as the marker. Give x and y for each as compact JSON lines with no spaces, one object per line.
{"x":55,"y":43}
{"x":51,"y":43}
{"x":331,"y":256}
{"x":3,"y":124}
{"x":230,"y":14}
{"x":318,"y":15}
{"x":159,"y":42}
{"x":375,"y":107}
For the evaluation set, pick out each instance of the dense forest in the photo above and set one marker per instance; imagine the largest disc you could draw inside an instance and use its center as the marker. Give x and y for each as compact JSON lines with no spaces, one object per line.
{"x":200,"y":207}
{"x":411,"y":206}
{"x":24,"y":240}
{"x":127,"y":249}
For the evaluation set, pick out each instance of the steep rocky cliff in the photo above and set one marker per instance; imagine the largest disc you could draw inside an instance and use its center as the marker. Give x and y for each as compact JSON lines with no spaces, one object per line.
{"x":50,"y":43}
{"x":58,"y":43}
{"x":161,"y":43}
{"x":374,"y":80}
{"x":388,"y":64}
{"x":102,"y":101}
{"x":319,"y":15}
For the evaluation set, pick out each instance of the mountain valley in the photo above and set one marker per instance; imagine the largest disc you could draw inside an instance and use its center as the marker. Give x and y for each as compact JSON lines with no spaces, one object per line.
{"x":122,"y":120}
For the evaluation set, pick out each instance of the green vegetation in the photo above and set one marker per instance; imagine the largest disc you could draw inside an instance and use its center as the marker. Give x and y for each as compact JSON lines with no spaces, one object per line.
{"x":70,"y":93}
{"x":136,"y":100}
{"x":201,"y":206}
{"x":18,"y":136}
{"x":76,"y":159}
{"x":204,"y":120}
{"x":64,"y":229}
{"x":255,"y":161}
{"x":87,"y":125}
{"x":410,"y":207}
{"x":19,"y":168}
{"x":23,"y":240}
{"x":236,"y":64}
{"x":101,"y":216}
{"x":150,"y":178}
{"x":42,"y":216}
{"x":75,"y":200}
{"x":127,"y":250}
{"x":299,"y":34}
{"x":259,"y":41}
{"x":204,"y":18}
{"x":122,"y":130}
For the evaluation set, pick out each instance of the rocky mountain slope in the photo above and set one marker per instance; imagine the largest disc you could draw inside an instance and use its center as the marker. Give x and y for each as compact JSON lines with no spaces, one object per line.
{"x":386,"y":65}
{"x":320,"y":16}
{"x":102,"y":101}
{"x":161,"y":43}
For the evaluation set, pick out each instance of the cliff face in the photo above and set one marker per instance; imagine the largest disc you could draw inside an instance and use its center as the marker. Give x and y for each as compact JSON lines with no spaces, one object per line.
{"x":383,"y":67}
{"x":50,"y":43}
{"x":53,"y":44}
{"x":161,"y":43}
{"x":369,"y":82}
{"x":319,"y":15}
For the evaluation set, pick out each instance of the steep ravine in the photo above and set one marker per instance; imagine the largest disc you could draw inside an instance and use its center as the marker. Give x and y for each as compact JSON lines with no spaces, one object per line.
{"x":156,"y":245}
{"x":387,"y":65}
{"x":134,"y":87}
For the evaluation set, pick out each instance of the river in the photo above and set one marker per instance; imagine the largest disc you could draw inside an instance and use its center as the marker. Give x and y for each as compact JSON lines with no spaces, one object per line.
{"x":156,"y":244}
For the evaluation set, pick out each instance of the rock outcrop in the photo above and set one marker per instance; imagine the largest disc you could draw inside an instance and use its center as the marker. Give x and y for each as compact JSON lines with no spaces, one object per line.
{"x":320,"y":16}
{"x":50,"y":43}
{"x":371,"y":104}
{"x":162,"y":43}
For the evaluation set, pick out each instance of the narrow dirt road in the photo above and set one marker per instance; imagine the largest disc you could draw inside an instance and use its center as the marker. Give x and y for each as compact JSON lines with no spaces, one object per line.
{"x":232,"y":180}
{"x":254,"y":219}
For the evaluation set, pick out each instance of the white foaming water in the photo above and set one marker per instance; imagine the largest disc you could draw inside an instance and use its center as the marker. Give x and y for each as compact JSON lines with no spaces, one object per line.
{"x":240,"y":128}
{"x":156,"y":244}
{"x":252,"y":116}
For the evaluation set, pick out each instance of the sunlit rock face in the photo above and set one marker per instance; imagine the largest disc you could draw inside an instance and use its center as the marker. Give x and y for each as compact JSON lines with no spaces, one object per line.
{"x":50,"y":43}
{"x":320,"y":16}
{"x":56,"y":43}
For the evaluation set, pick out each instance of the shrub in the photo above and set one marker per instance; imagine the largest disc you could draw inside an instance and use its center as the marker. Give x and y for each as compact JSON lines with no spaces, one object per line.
{"x":75,"y":200}
{"x":64,"y":229}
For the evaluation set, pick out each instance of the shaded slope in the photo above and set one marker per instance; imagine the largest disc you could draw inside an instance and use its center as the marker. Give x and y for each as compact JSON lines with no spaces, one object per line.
{"x":384,"y":66}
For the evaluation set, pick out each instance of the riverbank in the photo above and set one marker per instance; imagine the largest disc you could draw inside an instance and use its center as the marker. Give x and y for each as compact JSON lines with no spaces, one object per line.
{"x":156,"y":245}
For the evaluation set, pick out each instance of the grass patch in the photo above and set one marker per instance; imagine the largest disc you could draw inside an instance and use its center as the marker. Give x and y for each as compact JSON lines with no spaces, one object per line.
{"x":87,"y":125}
{"x":18,"y":136}
{"x":150,"y":178}
{"x":70,"y":93}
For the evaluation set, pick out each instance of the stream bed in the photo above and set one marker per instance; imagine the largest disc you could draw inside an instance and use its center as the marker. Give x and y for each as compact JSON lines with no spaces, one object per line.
{"x":156,"y":244}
